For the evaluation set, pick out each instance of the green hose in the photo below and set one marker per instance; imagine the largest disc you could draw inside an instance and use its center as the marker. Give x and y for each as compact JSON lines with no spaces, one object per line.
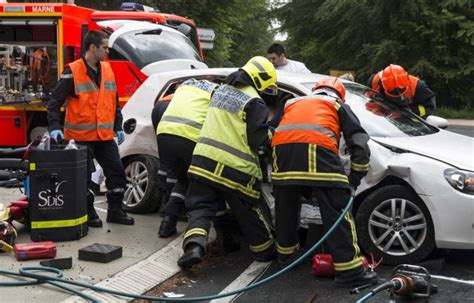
{"x":29,"y":272}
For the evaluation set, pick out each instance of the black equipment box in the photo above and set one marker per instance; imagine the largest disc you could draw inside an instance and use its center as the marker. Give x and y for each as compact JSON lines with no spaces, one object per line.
{"x":63,"y":263}
{"x":103,"y":253}
{"x":58,"y":194}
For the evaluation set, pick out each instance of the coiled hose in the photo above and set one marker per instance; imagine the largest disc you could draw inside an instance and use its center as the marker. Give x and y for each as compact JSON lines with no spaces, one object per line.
{"x":58,"y":280}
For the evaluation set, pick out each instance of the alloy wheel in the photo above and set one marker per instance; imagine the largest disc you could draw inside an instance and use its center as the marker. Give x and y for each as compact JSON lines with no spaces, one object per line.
{"x":397,"y":227}
{"x":137,"y":181}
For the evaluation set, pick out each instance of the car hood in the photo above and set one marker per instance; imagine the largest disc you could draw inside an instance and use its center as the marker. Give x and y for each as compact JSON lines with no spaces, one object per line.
{"x":454,"y":149}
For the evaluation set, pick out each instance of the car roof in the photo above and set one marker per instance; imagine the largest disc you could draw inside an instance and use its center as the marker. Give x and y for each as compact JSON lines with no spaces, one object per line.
{"x":282,"y":77}
{"x":133,"y":25}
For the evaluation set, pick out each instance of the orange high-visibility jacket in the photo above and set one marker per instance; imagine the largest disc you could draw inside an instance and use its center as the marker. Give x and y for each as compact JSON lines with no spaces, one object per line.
{"x":311,"y":119}
{"x":413,"y":82}
{"x":90,"y":116}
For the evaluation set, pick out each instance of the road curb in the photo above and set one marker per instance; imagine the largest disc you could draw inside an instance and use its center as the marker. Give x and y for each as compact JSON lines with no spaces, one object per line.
{"x":141,"y":277}
{"x":461,"y":122}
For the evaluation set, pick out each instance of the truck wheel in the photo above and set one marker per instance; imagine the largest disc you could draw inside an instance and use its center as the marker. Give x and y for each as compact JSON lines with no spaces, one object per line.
{"x":393,"y":223}
{"x":142,"y":194}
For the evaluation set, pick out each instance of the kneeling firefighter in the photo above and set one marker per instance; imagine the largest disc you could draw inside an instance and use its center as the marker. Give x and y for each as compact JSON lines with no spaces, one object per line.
{"x":166,"y":179}
{"x":225,"y":164}
{"x":306,"y":158}
{"x":177,"y":134}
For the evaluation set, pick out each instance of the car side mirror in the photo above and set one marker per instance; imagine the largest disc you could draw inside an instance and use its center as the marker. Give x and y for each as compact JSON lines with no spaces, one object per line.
{"x":438,"y":121}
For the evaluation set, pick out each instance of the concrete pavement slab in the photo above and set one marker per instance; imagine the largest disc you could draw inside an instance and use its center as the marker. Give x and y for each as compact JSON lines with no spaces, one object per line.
{"x":461,"y":122}
{"x":138,"y":241}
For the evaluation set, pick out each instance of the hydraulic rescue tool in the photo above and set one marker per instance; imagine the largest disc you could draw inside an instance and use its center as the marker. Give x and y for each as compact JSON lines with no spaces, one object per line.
{"x":409,"y":281}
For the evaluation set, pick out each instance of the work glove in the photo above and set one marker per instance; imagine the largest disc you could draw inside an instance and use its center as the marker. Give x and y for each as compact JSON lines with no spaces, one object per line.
{"x":120,"y":137}
{"x":57,"y":135}
{"x":354,"y":181}
{"x":352,"y":189}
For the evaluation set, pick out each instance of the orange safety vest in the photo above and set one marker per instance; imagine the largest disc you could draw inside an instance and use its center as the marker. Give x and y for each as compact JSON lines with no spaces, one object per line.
{"x":90,"y":116}
{"x":312,"y":120}
{"x":413,"y":82}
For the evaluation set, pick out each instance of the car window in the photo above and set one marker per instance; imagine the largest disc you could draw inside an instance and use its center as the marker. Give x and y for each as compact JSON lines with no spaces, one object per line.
{"x":170,"y":87}
{"x":382,"y":118}
{"x":143,"y":47}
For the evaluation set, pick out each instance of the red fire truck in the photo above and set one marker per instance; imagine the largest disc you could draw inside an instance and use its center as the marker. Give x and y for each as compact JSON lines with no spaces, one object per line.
{"x":38,"y":39}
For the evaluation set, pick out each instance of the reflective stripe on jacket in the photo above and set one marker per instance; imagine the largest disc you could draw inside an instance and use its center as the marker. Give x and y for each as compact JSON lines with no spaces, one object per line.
{"x":312,"y":120}
{"x":90,"y":116}
{"x":186,"y":113}
{"x":223,"y":139}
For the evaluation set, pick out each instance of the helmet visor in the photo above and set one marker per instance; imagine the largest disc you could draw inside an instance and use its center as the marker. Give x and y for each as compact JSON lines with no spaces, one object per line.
{"x":398,"y":92}
{"x":271,"y":90}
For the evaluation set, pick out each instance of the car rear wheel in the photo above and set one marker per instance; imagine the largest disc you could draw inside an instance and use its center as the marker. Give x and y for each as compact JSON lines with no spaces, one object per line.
{"x":142,"y":194}
{"x":393,"y":223}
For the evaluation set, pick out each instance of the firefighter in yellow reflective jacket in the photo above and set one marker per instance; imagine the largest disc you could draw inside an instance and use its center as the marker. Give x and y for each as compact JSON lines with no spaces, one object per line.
{"x":306,"y":158}
{"x":225,"y":164}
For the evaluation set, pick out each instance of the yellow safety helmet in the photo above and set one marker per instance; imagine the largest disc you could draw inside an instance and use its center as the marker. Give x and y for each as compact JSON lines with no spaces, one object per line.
{"x":263,"y":74}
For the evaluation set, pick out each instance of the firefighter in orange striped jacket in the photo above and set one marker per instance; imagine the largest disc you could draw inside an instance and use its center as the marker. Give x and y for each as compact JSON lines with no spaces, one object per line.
{"x":306,"y":160}
{"x":405,"y":90}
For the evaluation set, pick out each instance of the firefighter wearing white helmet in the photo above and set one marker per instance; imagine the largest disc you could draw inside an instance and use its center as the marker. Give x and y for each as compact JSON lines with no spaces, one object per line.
{"x":225,"y":163}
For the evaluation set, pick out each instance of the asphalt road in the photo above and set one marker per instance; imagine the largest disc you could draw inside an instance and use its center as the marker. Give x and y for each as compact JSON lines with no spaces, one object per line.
{"x":299,"y":285}
{"x":464,"y":130}
{"x":452,"y":270}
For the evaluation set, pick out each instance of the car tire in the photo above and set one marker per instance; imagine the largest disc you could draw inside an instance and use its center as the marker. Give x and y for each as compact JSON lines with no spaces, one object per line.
{"x":142,"y":194}
{"x":405,"y":235}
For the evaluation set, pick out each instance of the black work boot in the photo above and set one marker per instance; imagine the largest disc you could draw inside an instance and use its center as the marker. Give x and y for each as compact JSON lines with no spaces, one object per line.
{"x":93,"y":219}
{"x":363,"y":278}
{"x":285,"y":260}
{"x":267,"y":257}
{"x":226,"y":242}
{"x":167,"y":227}
{"x":193,"y":254}
{"x":119,"y":216}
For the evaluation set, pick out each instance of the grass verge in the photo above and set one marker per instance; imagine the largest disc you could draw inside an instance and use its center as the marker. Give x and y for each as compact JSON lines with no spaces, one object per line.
{"x":453,"y":113}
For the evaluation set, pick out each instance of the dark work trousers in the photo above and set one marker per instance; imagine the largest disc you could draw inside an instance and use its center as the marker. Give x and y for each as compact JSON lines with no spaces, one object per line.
{"x":342,"y":243}
{"x":166,"y":183}
{"x":175,"y":155}
{"x":107,"y":155}
{"x":202,"y":201}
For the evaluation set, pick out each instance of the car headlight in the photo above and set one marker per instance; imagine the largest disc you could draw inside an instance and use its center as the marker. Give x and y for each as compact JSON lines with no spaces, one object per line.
{"x":460,"y":180}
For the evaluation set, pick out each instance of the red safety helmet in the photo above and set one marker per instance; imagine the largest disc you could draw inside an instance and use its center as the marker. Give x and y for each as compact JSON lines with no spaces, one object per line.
{"x":395,"y":81}
{"x":333,"y":83}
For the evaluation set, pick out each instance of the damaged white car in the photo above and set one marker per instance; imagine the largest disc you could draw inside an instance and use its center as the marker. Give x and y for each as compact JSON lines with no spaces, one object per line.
{"x":418,"y":194}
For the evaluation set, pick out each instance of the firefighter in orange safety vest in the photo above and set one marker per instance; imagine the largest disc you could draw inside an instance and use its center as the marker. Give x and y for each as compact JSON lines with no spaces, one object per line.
{"x":306,"y":160}
{"x":395,"y":84}
{"x":92,"y":117}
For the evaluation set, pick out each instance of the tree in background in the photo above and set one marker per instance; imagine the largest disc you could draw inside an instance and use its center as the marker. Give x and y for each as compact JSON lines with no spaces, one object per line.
{"x":431,"y":39}
{"x":241,"y":26}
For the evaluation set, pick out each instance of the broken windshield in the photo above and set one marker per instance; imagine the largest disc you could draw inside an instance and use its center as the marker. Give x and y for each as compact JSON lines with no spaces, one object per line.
{"x":143,"y":47}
